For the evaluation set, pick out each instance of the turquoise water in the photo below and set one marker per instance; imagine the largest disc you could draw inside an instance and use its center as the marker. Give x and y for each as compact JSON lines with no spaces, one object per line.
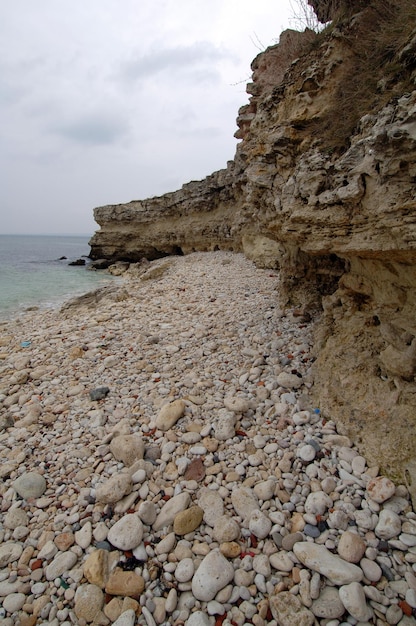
{"x":32,"y":274}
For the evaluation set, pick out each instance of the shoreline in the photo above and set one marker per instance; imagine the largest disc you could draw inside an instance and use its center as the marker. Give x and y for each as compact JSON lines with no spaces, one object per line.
{"x":37,"y":271}
{"x":177,"y":411}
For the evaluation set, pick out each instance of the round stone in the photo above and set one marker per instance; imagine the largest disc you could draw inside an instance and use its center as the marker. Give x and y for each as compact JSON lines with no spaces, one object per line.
{"x":394,"y":614}
{"x":170,"y":510}
{"x":30,"y":485}
{"x":187,"y":521}
{"x":281,"y":561}
{"x":317,"y":503}
{"x":230,"y":549}
{"x":62,"y":562}
{"x":380,"y":489}
{"x":320,"y":559}
{"x":265,"y":490}
{"x":287,"y":609}
{"x":411,"y":598}
{"x":306,"y":453}
{"x":289,"y":381}
{"x":224,"y":427}
{"x":212,"y":504}
{"x":199,"y":618}
{"x":15,"y":518}
{"x":328,"y":605}
{"x":226,"y":529}
{"x":124,"y":584}
{"x":213,"y":574}
{"x":184,"y":570}
{"x":259,"y":524}
{"x":289,"y":540}
{"x":353,"y":598}
{"x":244,"y":501}
{"x":89,"y":600}
{"x":351,"y":547}
{"x":127,"y":533}
{"x":14,"y":602}
{"x":372,"y":570}
{"x":96,"y":567}
{"x":389,"y":524}
{"x":127,"y":618}
{"x":127,"y":448}
{"x":147,"y":512}
{"x":114,"y":488}
{"x":10,"y":552}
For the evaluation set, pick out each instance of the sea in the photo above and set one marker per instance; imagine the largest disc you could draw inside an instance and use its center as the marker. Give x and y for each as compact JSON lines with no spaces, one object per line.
{"x":34,"y":271}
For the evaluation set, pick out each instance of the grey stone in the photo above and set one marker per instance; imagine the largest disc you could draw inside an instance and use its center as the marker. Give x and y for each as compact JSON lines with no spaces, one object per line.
{"x":328,"y":605}
{"x":30,"y":485}
{"x":99,"y":394}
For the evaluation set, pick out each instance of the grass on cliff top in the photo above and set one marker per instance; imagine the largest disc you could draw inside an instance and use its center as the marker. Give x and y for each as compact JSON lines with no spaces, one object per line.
{"x":373,"y":72}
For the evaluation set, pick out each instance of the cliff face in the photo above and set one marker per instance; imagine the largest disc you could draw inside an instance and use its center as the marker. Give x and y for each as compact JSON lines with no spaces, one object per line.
{"x":323,"y":185}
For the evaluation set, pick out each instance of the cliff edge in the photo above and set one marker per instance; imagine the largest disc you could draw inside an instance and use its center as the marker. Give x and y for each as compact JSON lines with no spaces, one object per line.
{"x":323,"y":186}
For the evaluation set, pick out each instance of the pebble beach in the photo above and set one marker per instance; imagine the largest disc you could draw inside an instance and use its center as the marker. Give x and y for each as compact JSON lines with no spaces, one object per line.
{"x":163,"y":463}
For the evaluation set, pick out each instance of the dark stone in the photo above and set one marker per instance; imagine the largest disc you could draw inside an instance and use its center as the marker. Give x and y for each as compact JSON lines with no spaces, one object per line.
{"x":100,"y":264}
{"x":6,"y":421}
{"x":77,"y":262}
{"x":383,"y":545}
{"x":104,"y":545}
{"x":99,"y":394}
{"x":315,"y":445}
{"x":278,"y":539}
{"x":311,"y":531}
{"x":152,"y":453}
{"x":322,"y":526}
{"x":387,"y":572}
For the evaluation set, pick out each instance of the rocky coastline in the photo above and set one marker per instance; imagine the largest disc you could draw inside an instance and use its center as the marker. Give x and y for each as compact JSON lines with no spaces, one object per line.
{"x":164,"y":461}
{"x":322,"y":187}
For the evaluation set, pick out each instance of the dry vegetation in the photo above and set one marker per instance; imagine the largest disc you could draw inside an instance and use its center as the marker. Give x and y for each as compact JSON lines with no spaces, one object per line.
{"x":374,"y":71}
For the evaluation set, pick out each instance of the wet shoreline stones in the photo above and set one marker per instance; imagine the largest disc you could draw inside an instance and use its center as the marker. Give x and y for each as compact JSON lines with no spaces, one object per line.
{"x":201,"y":486}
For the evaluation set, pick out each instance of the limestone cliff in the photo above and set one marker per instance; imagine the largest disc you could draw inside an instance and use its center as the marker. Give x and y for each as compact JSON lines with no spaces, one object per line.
{"x":323,"y":185}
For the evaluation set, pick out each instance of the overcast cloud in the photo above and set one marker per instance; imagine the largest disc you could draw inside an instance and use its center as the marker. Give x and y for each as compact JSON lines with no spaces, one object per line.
{"x":106,"y":101}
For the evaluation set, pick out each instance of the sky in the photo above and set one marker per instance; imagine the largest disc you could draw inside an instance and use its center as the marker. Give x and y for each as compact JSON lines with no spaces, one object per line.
{"x":107,"y":101}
